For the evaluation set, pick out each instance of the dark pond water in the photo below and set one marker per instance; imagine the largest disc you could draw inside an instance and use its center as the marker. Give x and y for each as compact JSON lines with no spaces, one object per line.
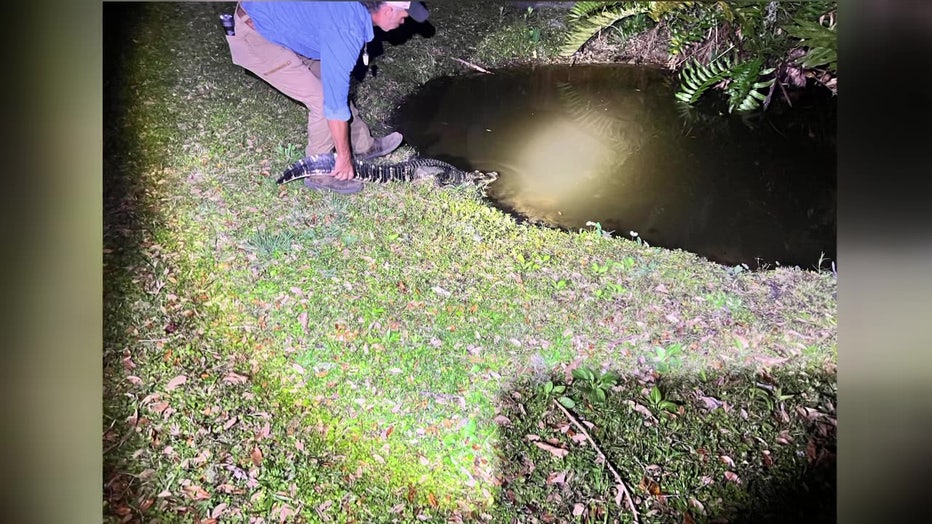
{"x":609,"y":144}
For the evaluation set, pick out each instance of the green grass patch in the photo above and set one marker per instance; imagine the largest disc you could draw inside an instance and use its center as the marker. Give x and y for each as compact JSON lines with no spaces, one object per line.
{"x":276,"y":352}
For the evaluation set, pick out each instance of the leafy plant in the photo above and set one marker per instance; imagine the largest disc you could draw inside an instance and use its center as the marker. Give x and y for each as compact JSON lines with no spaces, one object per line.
{"x":722,"y":300}
{"x":667,"y":358}
{"x":531,"y":263}
{"x":588,"y":19}
{"x":593,"y":384}
{"x":550,"y":388}
{"x":741,"y":77}
{"x":764,"y":36}
{"x":657,"y":401}
{"x":818,"y":35}
{"x":598,"y":229}
{"x":600,"y":269}
{"x":559,"y":284}
{"x":289,"y":152}
{"x":610,"y":290}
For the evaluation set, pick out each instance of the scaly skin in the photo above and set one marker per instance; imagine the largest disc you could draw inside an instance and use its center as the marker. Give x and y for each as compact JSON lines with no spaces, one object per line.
{"x":407,"y":171}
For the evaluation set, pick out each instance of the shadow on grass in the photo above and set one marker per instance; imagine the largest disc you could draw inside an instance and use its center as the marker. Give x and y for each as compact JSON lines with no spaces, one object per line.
{"x":738,"y":448}
{"x":128,"y":213}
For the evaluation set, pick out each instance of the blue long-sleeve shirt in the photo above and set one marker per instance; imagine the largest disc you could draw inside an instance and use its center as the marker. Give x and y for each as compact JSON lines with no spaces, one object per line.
{"x":332,"y":32}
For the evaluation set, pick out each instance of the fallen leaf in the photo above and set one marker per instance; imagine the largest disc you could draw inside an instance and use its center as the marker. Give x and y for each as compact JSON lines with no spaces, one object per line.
{"x":732,"y":477}
{"x":710,"y":403}
{"x":805,"y":412}
{"x":256,"y":456}
{"x":302,"y":319}
{"x":694,"y":502}
{"x":770,"y":361}
{"x":285,"y":512}
{"x":175,"y":382}
{"x":264,"y":432}
{"x":619,"y":493}
{"x":196,"y":492}
{"x":643,"y":410}
{"x":556,"y":478}
{"x":727,"y":460}
{"x":502,"y":420}
{"x":134,"y":380}
{"x":811,"y":452}
{"x":651,"y":486}
{"x":229,"y":424}
{"x":432,"y":500}
{"x":556,"y":451}
{"x":218,"y":510}
{"x":578,"y":509}
{"x":768,"y":460}
{"x":234,"y":378}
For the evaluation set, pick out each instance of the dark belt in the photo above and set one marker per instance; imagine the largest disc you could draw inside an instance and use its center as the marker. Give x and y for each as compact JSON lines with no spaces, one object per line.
{"x":241,"y":13}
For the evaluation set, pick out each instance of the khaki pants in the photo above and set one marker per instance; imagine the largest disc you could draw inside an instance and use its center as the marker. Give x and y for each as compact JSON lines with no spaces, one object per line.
{"x":296,"y":76}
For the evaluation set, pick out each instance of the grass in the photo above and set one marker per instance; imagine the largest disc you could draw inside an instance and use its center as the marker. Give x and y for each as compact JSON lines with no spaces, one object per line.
{"x":384,"y":357}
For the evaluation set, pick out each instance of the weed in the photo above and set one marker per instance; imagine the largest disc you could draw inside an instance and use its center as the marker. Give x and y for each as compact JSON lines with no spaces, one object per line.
{"x":269,"y":244}
{"x":598,"y":229}
{"x":532,"y":263}
{"x":558,"y":284}
{"x":288,"y":153}
{"x":637,"y":238}
{"x":723,"y":300}
{"x":658,"y":402}
{"x":593,"y":384}
{"x":667,"y":358}
{"x":610,"y":290}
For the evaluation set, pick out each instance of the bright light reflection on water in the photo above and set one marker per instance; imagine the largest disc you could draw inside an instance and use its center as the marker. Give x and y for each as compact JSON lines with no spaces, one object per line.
{"x":608,"y":144}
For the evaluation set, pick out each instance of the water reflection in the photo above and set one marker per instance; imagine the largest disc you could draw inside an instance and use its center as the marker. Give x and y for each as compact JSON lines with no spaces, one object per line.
{"x":608,"y":144}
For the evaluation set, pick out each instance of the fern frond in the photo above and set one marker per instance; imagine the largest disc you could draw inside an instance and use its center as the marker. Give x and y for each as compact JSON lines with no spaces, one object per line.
{"x":591,"y":24}
{"x":697,"y":78}
{"x":743,"y":94}
{"x":657,"y":10}
{"x":822,"y":42}
{"x":582,"y":10}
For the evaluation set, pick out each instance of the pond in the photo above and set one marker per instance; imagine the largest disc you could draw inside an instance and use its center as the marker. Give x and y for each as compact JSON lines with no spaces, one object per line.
{"x":609,"y":144}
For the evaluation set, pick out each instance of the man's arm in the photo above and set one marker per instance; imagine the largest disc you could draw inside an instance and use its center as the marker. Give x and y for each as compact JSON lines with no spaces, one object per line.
{"x":343,"y":168}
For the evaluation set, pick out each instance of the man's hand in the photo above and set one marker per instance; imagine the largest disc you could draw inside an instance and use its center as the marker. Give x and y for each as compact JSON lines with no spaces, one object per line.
{"x":343,"y":167}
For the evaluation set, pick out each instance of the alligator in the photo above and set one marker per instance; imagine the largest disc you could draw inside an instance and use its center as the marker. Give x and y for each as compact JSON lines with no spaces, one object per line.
{"x":411,"y":170}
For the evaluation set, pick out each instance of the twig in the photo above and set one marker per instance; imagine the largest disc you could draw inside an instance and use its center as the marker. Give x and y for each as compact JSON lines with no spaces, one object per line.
{"x":621,"y":483}
{"x":474,"y":66}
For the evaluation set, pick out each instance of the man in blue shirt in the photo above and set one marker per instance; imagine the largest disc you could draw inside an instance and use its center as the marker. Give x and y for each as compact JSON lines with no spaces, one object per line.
{"x":307,"y":51}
